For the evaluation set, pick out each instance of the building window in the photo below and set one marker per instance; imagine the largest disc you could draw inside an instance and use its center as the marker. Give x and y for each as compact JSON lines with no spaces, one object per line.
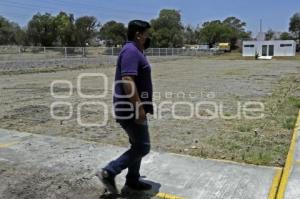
{"x":286,"y":45}
{"x":249,"y":46}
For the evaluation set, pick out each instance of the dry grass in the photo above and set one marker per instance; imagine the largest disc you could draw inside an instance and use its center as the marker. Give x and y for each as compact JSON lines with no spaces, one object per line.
{"x":25,"y":103}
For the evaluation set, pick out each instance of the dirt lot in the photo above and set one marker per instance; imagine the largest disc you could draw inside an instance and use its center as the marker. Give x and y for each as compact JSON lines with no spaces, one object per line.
{"x":25,"y":101}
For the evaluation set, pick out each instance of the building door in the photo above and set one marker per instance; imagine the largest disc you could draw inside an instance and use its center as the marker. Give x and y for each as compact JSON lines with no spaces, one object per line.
{"x":271,"y":50}
{"x":264,"y":51}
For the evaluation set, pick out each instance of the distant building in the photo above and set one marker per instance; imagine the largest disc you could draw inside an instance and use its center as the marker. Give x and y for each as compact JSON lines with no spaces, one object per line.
{"x":204,"y":47}
{"x":269,"y":48}
{"x":261,"y":36}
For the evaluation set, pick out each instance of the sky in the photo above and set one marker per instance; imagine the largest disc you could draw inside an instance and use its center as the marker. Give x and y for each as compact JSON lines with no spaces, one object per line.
{"x":275,"y":14}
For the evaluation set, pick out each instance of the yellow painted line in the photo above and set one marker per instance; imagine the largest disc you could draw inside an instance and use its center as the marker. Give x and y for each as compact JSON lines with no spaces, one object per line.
{"x":288,"y":162}
{"x":275,"y":184}
{"x":167,"y":196}
{"x":5,"y":145}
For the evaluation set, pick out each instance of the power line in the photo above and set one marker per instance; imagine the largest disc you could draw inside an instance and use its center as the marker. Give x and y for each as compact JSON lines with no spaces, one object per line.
{"x":19,"y":5}
{"x":30,"y":6}
{"x":14,"y":14}
{"x":115,"y":14}
{"x":85,"y":6}
{"x":102,"y":7}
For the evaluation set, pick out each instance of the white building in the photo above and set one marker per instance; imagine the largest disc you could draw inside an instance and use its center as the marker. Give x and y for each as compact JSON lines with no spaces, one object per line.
{"x":269,"y":48}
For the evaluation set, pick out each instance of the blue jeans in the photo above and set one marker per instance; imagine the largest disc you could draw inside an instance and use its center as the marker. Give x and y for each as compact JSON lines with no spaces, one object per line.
{"x":140,"y":146}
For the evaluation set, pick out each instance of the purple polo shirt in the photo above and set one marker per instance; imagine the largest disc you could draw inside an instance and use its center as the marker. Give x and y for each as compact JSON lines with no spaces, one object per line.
{"x":132,"y":62}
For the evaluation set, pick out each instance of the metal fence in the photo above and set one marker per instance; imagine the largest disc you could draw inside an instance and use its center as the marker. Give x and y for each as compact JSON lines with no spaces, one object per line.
{"x":33,"y":52}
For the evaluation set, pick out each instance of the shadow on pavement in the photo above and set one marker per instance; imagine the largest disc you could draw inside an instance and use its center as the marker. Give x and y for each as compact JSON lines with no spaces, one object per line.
{"x":130,"y":194}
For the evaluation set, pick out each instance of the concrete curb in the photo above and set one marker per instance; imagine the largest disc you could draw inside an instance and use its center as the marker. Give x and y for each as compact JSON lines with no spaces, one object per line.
{"x":289,"y":161}
{"x":275,"y":184}
{"x":170,"y":182}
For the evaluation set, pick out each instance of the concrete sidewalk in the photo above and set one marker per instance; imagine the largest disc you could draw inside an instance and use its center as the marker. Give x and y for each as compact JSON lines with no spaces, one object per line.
{"x":37,"y":166}
{"x":290,"y":181}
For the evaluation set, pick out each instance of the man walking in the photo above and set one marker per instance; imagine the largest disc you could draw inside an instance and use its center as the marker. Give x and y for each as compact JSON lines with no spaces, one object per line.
{"x":132,"y":101}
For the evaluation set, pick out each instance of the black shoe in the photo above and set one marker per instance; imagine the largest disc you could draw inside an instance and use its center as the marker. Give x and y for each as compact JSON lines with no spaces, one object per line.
{"x":108,"y":180}
{"x":138,"y":186}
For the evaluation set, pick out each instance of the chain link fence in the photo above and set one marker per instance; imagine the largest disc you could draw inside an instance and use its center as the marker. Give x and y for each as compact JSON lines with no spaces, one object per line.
{"x":23,"y":57}
{"x":33,"y":52}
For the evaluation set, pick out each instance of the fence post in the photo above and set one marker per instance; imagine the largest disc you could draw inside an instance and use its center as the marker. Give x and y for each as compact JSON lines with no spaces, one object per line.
{"x":19,"y":49}
{"x":44,"y":50}
{"x":159,"y":52}
{"x":66,"y":52}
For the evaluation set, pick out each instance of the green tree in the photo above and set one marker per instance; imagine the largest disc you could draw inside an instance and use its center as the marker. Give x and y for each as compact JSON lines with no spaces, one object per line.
{"x":65,"y":29}
{"x":230,"y":30}
{"x":270,"y":34}
{"x":85,"y":29}
{"x":237,"y":31}
{"x":167,"y":29}
{"x":286,"y":36}
{"x":41,"y":29}
{"x":235,"y":24}
{"x":189,"y":35}
{"x":114,"y":32}
{"x":11,"y":33}
{"x":295,"y":25}
{"x":212,"y":32}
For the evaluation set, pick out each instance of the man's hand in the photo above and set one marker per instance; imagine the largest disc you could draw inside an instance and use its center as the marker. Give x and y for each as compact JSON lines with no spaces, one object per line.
{"x":141,"y":115}
{"x":129,"y":88}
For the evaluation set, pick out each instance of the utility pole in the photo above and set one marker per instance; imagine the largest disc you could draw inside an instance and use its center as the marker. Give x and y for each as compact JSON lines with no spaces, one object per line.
{"x":260,"y":25}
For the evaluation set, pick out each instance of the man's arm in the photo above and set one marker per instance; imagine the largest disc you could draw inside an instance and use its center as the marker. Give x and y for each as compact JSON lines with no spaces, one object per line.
{"x":129,"y":89}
